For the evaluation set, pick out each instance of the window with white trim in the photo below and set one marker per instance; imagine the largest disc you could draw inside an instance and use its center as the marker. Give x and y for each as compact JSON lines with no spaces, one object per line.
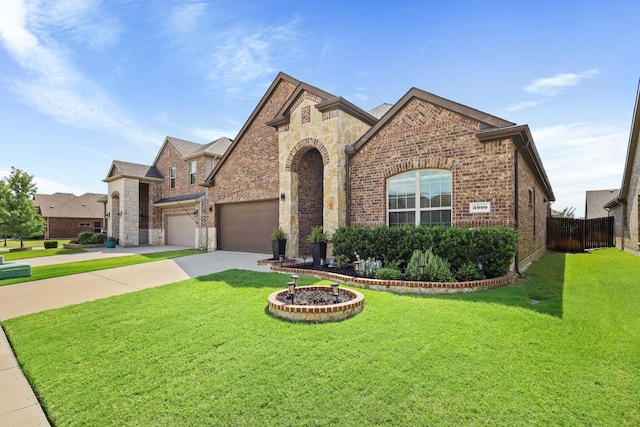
{"x":172,"y":177}
{"x":192,"y":172}
{"x":421,"y":197}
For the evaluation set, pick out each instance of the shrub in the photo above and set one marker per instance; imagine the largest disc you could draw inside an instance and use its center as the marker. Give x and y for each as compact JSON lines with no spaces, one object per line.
{"x":50,"y":244}
{"x":278,"y":234}
{"x":85,"y":237}
{"x":317,"y":235}
{"x":388,"y":274}
{"x":369,"y":267}
{"x":494,"y":247}
{"x":98,"y":238}
{"x":436,"y":269}
{"x":343,"y":261}
{"x":469,"y":271}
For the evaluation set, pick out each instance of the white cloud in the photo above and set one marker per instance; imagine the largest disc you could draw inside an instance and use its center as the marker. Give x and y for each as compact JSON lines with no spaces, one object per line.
{"x":522,"y":105}
{"x":210,"y":135}
{"x":47,"y":186}
{"x":52,"y":84}
{"x":184,"y":17}
{"x":244,"y":55}
{"x":97,"y":153}
{"x":85,"y":21}
{"x":551,"y":86}
{"x":579,"y":157}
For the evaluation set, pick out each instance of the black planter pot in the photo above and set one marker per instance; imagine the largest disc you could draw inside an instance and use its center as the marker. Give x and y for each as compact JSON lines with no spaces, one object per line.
{"x":278,"y":247}
{"x":318,"y":251}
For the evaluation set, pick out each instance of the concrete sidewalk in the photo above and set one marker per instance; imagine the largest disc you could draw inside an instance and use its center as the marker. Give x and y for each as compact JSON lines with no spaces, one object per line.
{"x":18,"y":404}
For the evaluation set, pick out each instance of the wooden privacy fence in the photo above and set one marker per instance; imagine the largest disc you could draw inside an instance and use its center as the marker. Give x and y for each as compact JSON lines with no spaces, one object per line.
{"x":576,"y":235}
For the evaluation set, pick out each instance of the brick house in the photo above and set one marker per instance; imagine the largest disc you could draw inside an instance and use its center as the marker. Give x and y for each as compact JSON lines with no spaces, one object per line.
{"x":626,"y":206}
{"x":306,"y":157}
{"x":162,"y":203}
{"x":67,"y":215}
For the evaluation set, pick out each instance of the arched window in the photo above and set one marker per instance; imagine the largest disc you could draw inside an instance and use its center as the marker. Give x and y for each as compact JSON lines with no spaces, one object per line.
{"x":420,"y":197}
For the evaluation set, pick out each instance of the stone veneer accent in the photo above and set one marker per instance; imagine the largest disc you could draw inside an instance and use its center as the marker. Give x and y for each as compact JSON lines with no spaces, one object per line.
{"x":329,"y":133}
{"x":319,"y":313}
{"x":402,"y":286}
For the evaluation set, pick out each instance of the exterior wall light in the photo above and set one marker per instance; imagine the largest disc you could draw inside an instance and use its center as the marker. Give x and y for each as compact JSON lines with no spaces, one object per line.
{"x":282,"y":197}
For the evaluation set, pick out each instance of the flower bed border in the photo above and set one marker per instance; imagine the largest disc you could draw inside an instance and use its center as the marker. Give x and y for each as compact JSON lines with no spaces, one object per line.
{"x":316,"y":313}
{"x":403,"y":286}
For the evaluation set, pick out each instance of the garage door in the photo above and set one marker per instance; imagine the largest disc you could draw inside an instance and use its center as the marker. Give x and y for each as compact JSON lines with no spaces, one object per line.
{"x":181,"y":231}
{"x":246,"y":227}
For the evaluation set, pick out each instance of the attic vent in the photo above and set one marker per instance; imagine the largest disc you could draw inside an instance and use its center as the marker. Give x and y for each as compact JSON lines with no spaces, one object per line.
{"x":485,"y":126}
{"x":84,"y":204}
{"x":52,"y":206}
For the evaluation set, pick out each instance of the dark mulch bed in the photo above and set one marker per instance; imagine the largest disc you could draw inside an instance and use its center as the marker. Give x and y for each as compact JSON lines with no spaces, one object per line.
{"x":347,"y":271}
{"x":315,"y":297}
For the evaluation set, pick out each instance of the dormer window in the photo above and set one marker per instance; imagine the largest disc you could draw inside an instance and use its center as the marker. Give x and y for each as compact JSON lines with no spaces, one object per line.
{"x":172,"y":177}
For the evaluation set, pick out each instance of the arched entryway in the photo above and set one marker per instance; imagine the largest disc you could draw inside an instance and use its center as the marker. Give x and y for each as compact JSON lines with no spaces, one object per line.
{"x":114,"y":215}
{"x":310,"y":171}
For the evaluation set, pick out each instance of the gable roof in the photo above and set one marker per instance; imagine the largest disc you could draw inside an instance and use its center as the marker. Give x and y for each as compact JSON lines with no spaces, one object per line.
{"x":189,"y":149}
{"x":523,"y":140}
{"x":595,"y":201}
{"x":120,"y":169}
{"x":66,"y":205}
{"x":215,"y":148}
{"x":487,"y":119}
{"x":327,"y":102}
{"x":265,"y":98}
{"x":632,"y":148}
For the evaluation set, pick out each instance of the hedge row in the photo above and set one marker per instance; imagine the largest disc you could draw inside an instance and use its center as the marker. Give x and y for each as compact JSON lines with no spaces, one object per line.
{"x":493,"y":247}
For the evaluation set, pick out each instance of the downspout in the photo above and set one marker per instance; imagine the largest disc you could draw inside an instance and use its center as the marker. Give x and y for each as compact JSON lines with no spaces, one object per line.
{"x":517,"y":199}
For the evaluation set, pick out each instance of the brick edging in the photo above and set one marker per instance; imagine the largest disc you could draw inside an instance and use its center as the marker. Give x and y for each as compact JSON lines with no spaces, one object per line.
{"x":316,"y":313}
{"x":402,"y":286}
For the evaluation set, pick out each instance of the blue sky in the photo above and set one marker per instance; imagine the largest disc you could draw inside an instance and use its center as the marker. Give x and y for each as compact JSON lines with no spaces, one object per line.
{"x":85,"y":82}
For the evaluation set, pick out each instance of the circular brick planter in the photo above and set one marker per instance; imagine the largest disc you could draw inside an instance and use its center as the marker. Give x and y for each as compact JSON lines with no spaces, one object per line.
{"x":316,"y":313}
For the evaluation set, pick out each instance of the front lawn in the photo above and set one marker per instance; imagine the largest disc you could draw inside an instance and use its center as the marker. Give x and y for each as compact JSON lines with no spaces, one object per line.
{"x":15,"y":256}
{"x":36,"y":243}
{"x":561,"y":347}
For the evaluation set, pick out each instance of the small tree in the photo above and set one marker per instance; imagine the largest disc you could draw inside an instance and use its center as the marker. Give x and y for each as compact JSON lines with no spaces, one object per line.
{"x":568,"y":212}
{"x":18,"y":216}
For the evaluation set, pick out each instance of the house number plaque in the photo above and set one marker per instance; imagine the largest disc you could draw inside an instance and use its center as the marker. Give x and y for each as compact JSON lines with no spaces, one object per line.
{"x":479,"y":207}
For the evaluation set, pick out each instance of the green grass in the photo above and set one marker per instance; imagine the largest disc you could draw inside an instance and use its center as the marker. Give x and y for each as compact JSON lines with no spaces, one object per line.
{"x":39,"y":243}
{"x":561,"y":347}
{"x":58,"y":270}
{"x":13,"y":256}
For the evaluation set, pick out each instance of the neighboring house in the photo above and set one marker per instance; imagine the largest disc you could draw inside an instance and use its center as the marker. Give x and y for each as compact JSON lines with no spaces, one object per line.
{"x":68,"y":215}
{"x":595,"y":202}
{"x":162,"y":203}
{"x":306,"y":158}
{"x":626,"y":207}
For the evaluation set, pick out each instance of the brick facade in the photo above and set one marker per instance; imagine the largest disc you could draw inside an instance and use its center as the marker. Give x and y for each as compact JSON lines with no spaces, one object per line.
{"x":249,"y":170}
{"x":327,"y":162}
{"x":69,"y":228}
{"x":423,"y":136}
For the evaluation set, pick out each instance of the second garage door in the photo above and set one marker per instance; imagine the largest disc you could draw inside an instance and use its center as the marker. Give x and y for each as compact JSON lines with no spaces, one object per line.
{"x":181,"y":231}
{"x":246,"y":227}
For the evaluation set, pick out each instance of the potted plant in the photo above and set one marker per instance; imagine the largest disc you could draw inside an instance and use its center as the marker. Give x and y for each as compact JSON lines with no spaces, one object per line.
{"x":278,"y":242}
{"x":318,"y":239}
{"x":112,"y":242}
